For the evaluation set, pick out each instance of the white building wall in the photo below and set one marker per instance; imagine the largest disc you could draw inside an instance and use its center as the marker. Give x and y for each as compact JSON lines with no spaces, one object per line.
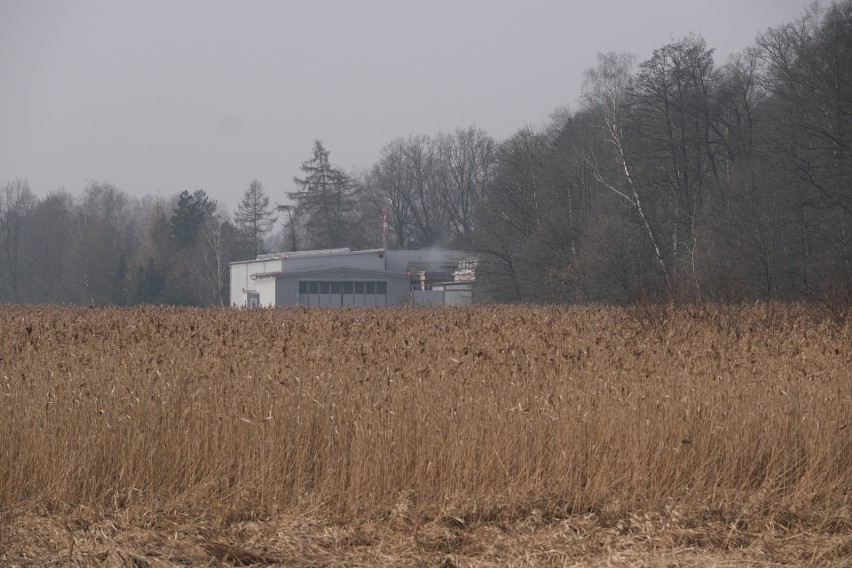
{"x":458,"y":296}
{"x":266,"y":288}
{"x":239,"y":282}
{"x":241,"y":278}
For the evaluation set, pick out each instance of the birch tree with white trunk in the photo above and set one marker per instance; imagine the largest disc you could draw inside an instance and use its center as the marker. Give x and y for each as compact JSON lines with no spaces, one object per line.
{"x":606,"y":96}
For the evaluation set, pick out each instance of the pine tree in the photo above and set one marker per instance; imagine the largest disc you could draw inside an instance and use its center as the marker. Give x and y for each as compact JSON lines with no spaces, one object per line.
{"x":189,"y":216}
{"x":325,"y":200}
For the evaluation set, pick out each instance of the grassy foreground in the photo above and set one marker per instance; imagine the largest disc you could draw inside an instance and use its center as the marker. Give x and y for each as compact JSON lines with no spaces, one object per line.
{"x":426,"y":437}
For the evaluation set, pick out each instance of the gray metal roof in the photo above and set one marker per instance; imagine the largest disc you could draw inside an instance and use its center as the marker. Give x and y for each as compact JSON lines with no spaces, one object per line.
{"x":343,"y":269}
{"x":309,"y":254}
{"x":303,"y":253}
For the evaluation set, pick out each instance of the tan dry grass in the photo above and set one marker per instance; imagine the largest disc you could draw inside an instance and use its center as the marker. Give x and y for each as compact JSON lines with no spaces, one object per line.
{"x":700,"y":428}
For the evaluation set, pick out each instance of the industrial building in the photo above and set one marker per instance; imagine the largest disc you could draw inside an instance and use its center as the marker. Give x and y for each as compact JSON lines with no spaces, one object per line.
{"x":341,"y":277}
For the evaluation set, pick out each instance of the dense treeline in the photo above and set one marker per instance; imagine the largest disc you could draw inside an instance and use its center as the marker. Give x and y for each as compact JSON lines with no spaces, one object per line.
{"x":106,"y":248}
{"x":676,"y":177}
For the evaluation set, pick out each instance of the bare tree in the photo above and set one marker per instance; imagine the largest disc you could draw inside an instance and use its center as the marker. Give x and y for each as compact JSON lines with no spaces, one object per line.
{"x":389,"y":189}
{"x":104,"y":238}
{"x":429,"y":218}
{"x":17,"y":203}
{"x":466,"y":162}
{"x":606,"y":96}
{"x":48,"y":247}
{"x":809,"y":65}
{"x":150,"y":273}
{"x":289,"y":238}
{"x":675,"y":121}
{"x":509,"y":221}
{"x":740,"y":93}
{"x":254,"y":217}
{"x":809,"y":135}
{"x":219,"y":240}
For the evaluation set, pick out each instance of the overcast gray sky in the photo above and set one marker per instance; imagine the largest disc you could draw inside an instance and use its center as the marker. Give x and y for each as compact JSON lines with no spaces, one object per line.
{"x":157,"y":96}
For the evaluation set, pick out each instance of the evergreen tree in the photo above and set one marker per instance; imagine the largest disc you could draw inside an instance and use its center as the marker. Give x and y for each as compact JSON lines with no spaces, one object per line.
{"x":189,"y":215}
{"x":326,"y":201}
{"x":149,"y":284}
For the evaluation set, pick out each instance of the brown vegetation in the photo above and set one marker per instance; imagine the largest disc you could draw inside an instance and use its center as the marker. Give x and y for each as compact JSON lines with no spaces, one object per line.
{"x":480,"y":436}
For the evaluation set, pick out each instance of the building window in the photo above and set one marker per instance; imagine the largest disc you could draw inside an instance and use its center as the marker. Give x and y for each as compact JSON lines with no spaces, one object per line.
{"x":340,"y":292}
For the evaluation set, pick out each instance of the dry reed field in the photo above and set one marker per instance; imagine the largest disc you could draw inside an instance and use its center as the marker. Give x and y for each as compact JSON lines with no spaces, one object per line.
{"x":483,"y":436}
